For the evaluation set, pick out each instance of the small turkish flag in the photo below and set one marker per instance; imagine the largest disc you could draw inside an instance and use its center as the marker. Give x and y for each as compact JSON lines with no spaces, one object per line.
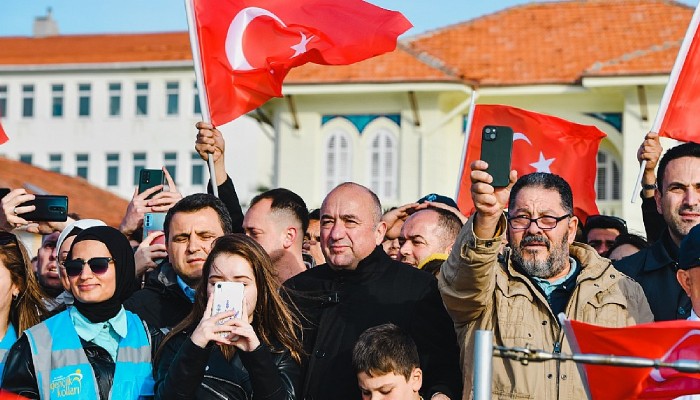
{"x":247,"y":47}
{"x":681,"y":115}
{"x":541,"y":143}
{"x":3,"y":135}
{"x":668,"y":341}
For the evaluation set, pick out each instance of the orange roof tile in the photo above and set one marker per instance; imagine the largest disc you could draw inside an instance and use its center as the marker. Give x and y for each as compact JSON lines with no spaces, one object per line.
{"x":555,"y":42}
{"x":84,"y":199}
{"x":87,"y":49}
{"x":397,"y":66}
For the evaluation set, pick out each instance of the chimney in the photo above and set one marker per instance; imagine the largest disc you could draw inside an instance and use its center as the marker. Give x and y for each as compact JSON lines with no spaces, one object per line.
{"x":45,"y":26}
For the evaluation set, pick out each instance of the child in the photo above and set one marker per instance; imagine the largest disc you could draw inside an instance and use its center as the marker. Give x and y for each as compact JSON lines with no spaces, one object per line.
{"x":386,"y":362}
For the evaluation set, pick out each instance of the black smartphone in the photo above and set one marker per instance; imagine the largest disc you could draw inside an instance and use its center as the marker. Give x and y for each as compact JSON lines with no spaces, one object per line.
{"x":149,"y":178}
{"x":48,"y":208}
{"x":4,"y":192}
{"x":496,"y":150}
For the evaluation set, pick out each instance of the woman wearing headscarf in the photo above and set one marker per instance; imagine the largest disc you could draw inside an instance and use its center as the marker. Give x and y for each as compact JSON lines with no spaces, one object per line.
{"x":21,"y":305}
{"x":94,"y":349}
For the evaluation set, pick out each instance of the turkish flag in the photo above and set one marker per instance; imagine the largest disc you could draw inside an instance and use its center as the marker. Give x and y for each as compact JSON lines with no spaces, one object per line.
{"x":248,"y":46}
{"x":681,"y":115}
{"x":667,"y":341}
{"x":3,"y":135}
{"x":541,"y":143}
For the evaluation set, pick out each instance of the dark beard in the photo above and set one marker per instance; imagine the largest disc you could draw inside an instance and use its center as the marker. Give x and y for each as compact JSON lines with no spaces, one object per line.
{"x":552,"y":266}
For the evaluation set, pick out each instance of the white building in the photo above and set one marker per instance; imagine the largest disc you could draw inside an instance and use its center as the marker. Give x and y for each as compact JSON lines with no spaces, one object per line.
{"x":394,"y":123}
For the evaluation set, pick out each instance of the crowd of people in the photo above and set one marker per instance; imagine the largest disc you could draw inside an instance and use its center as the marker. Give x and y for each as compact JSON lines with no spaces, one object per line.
{"x":343,"y":302}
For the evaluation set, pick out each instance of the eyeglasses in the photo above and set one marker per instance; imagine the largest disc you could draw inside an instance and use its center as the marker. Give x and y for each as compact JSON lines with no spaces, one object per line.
{"x":546,"y":222}
{"x":98,"y":265}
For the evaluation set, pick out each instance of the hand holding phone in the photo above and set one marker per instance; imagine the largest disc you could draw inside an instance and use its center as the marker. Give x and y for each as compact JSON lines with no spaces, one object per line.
{"x":228,"y":296}
{"x":149,"y":178}
{"x":496,"y":150}
{"x":47,"y":208}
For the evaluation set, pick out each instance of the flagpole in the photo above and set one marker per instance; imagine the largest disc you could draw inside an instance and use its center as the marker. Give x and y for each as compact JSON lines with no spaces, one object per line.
{"x":470,"y":118}
{"x":671,"y":86}
{"x":203,"y":98}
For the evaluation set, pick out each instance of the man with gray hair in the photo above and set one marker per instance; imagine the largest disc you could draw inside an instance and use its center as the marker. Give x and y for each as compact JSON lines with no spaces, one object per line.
{"x":360,"y":287}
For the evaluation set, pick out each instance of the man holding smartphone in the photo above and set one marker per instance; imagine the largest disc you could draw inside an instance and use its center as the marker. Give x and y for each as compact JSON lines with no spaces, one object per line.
{"x":519,"y":292}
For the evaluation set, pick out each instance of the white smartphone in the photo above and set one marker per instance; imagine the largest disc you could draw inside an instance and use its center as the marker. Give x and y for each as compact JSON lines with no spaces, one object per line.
{"x":228,"y":296}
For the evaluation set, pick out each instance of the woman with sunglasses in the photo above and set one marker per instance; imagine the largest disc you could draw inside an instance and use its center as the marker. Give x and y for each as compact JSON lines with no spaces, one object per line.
{"x":255,"y":356}
{"x":21,"y":305}
{"x":104,"y":350}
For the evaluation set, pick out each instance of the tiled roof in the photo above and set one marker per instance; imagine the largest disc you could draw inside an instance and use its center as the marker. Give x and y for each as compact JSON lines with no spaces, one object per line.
{"x":535,"y":43}
{"x":397,"y":66}
{"x":86,"y":49}
{"x":84,"y":199}
{"x":555,"y":42}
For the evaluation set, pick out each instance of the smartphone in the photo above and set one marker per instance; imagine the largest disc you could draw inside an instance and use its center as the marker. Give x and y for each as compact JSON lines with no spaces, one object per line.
{"x":228,"y":296}
{"x":149,"y":178}
{"x":153,"y":222}
{"x":496,"y":150}
{"x":48,"y":208}
{"x":4,"y":192}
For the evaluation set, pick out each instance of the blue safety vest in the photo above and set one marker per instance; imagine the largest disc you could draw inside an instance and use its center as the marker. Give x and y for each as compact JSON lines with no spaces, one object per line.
{"x":7,"y":342}
{"x":63,"y":371}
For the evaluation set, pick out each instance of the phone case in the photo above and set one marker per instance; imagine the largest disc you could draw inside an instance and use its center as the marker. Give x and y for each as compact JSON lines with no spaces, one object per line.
{"x":153,"y":222}
{"x":48,"y":208}
{"x":149,"y":178}
{"x":228,"y":296}
{"x":4,"y":192}
{"x":496,"y":150}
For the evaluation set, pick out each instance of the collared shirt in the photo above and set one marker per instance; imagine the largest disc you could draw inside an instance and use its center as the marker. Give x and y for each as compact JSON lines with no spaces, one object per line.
{"x":189,"y":292}
{"x":548,"y":287}
{"x":104,"y":334}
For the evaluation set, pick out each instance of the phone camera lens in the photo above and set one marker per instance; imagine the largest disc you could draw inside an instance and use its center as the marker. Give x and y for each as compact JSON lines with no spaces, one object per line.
{"x":487,"y":130}
{"x":492,"y":136}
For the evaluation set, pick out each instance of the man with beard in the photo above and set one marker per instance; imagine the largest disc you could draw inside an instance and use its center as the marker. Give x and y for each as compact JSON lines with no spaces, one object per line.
{"x":519,"y":293}
{"x":678,"y":201}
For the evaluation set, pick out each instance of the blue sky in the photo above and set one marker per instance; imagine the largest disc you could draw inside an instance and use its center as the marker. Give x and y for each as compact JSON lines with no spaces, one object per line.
{"x":111,"y":16}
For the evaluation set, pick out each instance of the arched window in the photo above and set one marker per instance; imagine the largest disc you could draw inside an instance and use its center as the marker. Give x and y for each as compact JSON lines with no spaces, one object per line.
{"x":383,"y":174}
{"x":608,"y":179}
{"x":338,"y":158}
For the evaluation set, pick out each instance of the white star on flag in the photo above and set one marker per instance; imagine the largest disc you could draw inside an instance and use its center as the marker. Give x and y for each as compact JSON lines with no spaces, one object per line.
{"x":542,"y":165}
{"x":300,"y":48}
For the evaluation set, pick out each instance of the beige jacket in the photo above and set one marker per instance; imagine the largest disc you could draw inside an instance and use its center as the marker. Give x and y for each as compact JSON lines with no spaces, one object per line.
{"x":482,"y":293}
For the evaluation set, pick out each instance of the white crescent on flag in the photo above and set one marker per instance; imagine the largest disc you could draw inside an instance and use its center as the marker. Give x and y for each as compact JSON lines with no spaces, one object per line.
{"x":234,"y":37}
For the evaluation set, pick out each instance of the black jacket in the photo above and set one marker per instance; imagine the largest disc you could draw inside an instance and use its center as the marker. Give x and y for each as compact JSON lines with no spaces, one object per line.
{"x":228,"y":195}
{"x":187,"y":371}
{"x":19,"y":376}
{"x":655,"y":269}
{"x":161,"y":303}
{"x":337,"y":306}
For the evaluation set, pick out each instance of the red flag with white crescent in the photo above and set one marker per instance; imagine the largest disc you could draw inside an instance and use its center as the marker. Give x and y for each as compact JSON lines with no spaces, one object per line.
{"x":667,"y":341}
{"x":541,"y":143}
{"x":247,"y":47}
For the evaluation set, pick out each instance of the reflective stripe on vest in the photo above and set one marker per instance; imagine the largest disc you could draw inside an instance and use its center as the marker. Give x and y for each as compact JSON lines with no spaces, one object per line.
{"x":7,"y":342}
{"x":63,"y":371}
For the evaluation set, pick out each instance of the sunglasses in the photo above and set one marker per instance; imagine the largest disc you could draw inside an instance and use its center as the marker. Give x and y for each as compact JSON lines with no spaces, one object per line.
{"x":98,"y":265}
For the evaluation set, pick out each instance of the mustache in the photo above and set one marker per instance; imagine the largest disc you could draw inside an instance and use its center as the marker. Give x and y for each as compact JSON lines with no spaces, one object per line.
{"x":529,"y":239}
{"x":687,"y":207}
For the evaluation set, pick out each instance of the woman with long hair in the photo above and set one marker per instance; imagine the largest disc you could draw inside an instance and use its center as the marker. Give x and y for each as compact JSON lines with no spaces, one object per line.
{"x":21,"y":304}
{"x":256,"y":356}
{"x":94,"y":349}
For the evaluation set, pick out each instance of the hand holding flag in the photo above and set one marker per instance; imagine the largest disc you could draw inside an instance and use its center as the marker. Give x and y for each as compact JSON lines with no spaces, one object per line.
{"x":247,"y":47}
{"x":541,"y":143}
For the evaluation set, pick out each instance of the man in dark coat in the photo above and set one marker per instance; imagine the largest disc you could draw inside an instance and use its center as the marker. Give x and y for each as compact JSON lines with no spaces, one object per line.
{"x":678,"y":200}
{"x":361,"y":287}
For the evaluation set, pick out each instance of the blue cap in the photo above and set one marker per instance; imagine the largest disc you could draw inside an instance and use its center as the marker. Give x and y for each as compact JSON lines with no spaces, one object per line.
{"x":436,"y":198}
{"x":690,"y":249}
